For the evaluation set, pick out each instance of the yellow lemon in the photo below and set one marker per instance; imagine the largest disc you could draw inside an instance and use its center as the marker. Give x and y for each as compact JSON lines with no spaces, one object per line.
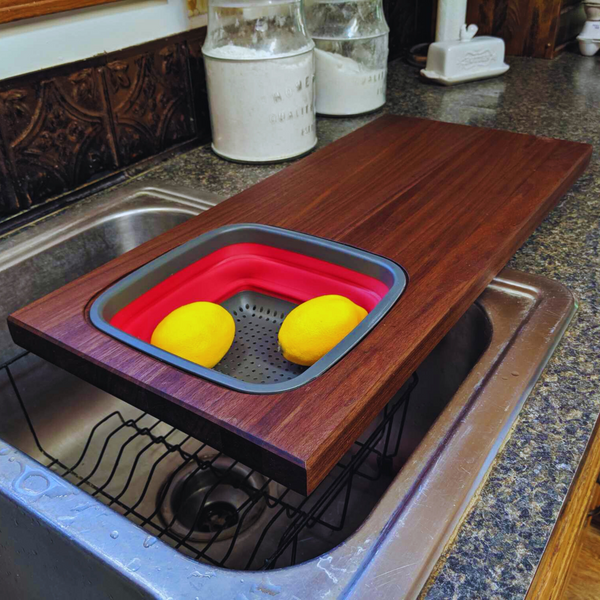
{"x":316,"y":326}
{"x":201,"y":332}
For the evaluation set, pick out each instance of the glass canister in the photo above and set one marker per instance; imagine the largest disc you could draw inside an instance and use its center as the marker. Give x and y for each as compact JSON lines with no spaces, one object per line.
{"x":351,"y":39}
{"x":260,"y":74}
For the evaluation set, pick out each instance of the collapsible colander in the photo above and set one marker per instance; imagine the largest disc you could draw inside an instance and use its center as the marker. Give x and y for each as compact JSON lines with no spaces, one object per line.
{"x":258,"y":273}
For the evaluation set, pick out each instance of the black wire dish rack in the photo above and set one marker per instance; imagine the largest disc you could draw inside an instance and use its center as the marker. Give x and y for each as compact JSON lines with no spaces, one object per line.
{"x":213,"y":508}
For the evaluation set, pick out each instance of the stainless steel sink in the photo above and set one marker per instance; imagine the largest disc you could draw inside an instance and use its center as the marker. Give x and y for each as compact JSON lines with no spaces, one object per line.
{"x":99,"y":500}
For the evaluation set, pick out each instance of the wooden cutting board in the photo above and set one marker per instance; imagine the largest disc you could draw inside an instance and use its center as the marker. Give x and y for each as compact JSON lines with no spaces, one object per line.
{"x":450,"y":203}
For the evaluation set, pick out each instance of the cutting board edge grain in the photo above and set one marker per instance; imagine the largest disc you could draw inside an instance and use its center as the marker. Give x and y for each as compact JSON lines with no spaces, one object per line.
{"x":199,"y":427}
{"x":363,"y":189}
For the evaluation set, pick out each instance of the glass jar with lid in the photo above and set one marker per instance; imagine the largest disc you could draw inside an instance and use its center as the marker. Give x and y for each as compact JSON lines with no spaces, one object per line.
{"x":351,"y":38}
{"x":260,"y":71}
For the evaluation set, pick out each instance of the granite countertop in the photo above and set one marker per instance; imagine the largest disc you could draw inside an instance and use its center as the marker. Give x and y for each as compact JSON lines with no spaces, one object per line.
{"x":502,"y":539}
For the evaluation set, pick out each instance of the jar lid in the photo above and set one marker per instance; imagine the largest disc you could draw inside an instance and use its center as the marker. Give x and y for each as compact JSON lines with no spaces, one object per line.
{"x":345,"y":19}
{"x":250,"y":30}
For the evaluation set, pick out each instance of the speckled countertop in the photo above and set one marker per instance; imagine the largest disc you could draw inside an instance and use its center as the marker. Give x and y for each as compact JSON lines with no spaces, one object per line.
{"x":502,"y":539}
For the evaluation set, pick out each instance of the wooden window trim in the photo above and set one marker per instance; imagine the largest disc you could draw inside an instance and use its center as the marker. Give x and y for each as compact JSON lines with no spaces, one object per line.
{"x":15,"y":10}
{"x":554,"y":570}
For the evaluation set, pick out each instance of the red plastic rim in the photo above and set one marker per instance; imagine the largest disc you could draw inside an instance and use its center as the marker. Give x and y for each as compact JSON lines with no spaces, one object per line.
{"x":246,"y":267}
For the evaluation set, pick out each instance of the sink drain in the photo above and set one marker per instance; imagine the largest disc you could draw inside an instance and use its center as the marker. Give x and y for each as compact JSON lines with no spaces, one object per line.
{"x":200,"y":503}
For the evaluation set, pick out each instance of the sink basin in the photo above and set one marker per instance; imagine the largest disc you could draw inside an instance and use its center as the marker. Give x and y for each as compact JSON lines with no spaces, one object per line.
{"x":100,"y":500}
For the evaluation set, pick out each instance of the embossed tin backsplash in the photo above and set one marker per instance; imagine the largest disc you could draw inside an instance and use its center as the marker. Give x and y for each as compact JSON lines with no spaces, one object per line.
{"x":69,"y":127}
{"x":75,"y":128}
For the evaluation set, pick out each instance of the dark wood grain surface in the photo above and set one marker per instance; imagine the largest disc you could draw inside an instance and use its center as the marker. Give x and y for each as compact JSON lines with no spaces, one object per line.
{"x":528,"y":27}
{"x":450,"y":203}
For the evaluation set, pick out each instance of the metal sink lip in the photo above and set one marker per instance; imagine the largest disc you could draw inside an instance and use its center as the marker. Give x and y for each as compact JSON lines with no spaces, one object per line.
{"x":68,"y":223}
{"x":36,"y":236}
{"x":142,"y":279}
{"x":359,"y":566}
{"x":503,"y":378}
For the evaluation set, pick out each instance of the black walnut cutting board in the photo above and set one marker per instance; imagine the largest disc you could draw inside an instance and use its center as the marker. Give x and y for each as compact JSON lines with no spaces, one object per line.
{"x":450,"y":203}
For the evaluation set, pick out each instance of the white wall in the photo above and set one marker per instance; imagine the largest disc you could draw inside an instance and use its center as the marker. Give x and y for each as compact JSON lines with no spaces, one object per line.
{"x":34,"y":44}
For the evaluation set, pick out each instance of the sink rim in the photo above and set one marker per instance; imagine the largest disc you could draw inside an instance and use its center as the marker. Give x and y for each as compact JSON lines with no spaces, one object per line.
{"x":27,"y":242}
{"x":32,"y":238}
{"x":361,"y":563}
{"x":475,"y":406}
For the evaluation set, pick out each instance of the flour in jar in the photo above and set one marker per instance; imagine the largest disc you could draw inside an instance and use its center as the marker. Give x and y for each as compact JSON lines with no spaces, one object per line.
{"x":345,"y":87}
{"x":262,"y":108}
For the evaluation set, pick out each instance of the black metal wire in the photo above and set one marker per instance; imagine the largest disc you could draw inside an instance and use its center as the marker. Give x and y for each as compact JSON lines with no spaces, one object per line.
{"x":304,"y":514}
{"x":329,"y":495}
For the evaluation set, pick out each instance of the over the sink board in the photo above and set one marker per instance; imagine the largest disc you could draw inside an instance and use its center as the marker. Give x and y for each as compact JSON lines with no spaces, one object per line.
{"x":449,"y":203}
